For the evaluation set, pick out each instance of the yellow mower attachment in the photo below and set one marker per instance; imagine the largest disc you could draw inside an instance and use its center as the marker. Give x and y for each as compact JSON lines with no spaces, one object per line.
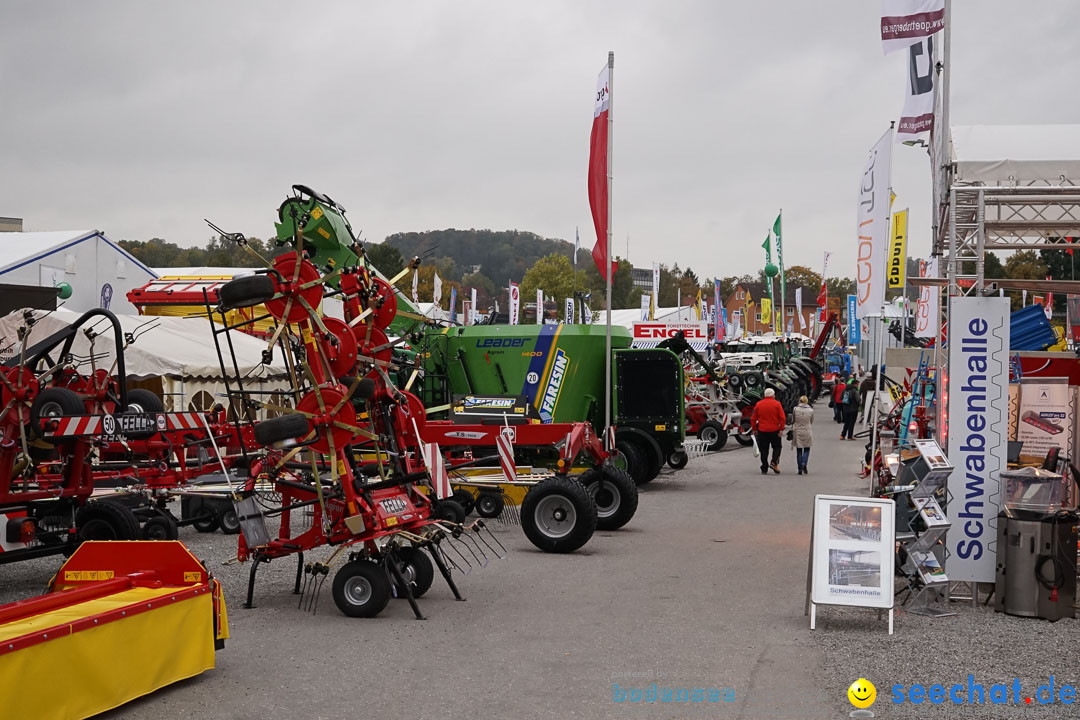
{"x":120,"y":620}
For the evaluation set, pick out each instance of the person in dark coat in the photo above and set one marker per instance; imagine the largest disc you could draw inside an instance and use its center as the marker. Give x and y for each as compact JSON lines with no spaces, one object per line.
{"x":850,"y":401}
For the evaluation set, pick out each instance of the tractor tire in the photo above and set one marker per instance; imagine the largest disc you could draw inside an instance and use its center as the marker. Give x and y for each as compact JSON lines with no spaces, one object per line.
{"x":361,"y":588}
{"x":678,"y":459}
{"x":489,"y":504}
{"x":743,"y":437}
{"x":54,"y":402}
{"x":227,"y":519}
{"x":416,"y":568}
{"x":449,"y":510}
{"x":280,"y":429}
{"x":649,"y":449}
{"x":617,"y":501}
{"x":246,"y":291}
{"x":160,"y":527}
{"x":143,"y":401}
{"x":104,"y":520}
{"x":714,"y":434}
{"x":206,"y":524}
{"x":636,"y":466}
{"x":465,"y":499}
{"x":558,"y":515}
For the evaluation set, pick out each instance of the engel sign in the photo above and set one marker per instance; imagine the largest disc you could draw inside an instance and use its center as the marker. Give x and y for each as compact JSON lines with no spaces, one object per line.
{"x":662,"y":331}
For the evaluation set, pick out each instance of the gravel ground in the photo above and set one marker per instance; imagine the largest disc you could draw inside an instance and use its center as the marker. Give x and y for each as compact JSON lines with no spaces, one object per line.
{"x":704,"y":588}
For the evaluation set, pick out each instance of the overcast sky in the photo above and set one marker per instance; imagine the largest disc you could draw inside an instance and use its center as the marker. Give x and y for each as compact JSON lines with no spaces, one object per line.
{"x":142,"y":118}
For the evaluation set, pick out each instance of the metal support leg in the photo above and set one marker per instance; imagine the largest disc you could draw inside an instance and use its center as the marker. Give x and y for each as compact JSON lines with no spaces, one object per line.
{"x":445,"y":572}
{"x":402,"y":586}
{"x":299,"y":572}
{"x":255,"y":560}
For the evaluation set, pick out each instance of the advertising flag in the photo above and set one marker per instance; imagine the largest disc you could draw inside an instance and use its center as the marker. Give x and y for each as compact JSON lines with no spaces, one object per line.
{"x":569,"y":311}
{"x":475,"y":310}
{"x":453,"y":305}
{"x":926,"y":312}
{"x":906,"y":21}
{"x":515,"y":303}
{"x":898,"y":250}
{"x":539,"y":306}
{"x":721,"y":311}
{"x":655,"y":290}
{"x":646,"y":307}
{"x":854,"y":326}
{"x":917,"y":118}
{"x":872,"y":230}
{"x":1048,"y":307}
{"x":798,"y":308}
{"x":780,"y":258}
{"x":437,"y":289}
{"x":466,"y":312}
{"x":577,"y":244}
{"x":766,"y":311}
{"x":415,"y":287}
{"x":599,"y":149}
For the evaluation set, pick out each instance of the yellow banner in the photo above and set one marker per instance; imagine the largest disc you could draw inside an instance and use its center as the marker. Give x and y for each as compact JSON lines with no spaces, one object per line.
{"x":898,"y":250}
{"x":766,"y":310}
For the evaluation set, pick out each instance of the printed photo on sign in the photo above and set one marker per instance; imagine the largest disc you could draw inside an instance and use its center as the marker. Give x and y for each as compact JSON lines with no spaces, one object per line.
{"x":854,"y":522}
{"x":859,"y":568}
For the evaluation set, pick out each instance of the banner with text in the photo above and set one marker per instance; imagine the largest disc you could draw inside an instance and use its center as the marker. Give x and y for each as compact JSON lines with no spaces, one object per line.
{"x":873,"y":228}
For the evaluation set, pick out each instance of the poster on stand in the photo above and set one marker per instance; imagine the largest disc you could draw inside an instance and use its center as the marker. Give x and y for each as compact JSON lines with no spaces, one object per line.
{"x":977,"y":430}
{"x":853,"y":551}
{"x":1045,"y":416}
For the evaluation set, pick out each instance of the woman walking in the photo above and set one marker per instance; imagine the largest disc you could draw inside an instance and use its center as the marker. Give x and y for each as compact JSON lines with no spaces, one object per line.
{"x":801,"y":436}
{"x":850,"y":402}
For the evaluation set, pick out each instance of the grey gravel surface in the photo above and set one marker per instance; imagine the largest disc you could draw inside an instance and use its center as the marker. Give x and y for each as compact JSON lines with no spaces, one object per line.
{"x":704,"y":588}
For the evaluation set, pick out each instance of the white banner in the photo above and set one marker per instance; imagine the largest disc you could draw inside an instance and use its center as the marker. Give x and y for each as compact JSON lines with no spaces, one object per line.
{"x":475,"y":310}
{"x":873,"y":229}
{"x":798,"y":309}
{"x":978,"y":431}
{"x":906,"y":21}
{"x":415,"y":286}
{"x":539,"y":306}
{"x":646,"y":306}
{"x":917,"y":119}
{"x":515,"y":303}
{"x":569,"y":311}
{"x":437,"y":289}
{"x":466,"y":312}
{"x":928,"y":309}
{"x":736,"y":324}
{"x":655,"y":290}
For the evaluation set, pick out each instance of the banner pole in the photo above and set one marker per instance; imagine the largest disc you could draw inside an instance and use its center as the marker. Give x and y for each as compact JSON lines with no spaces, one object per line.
{"x":607,"y":335}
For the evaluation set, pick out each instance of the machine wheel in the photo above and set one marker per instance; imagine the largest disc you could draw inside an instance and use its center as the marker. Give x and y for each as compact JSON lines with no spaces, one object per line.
{"x":207,"y":525}
{"x":465,"y":499}
{"x":159,"y":527}
{"x":636,"y":465}
{"x":617,"y":501}
{"x":227,"y":520}
{"x":651,"y":454}
{"x":280,"y":429}
{"x":104,"y":520}
{"x":140,"y":400}
{"x":450,"y":511}
{"x":364,"y":391}
{"x":416,"y":568}
{"x":678,"y":459}
{"x":558,"y":515}
{"x":743,"y":437}
{"x":361,"y":588}
{"x":714,"y":434}
{"x":54,"y":402}
{"x":246,"y":291}
{"x":489,"y":504}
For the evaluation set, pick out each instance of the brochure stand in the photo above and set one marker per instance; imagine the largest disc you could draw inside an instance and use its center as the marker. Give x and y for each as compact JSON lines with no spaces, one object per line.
{"x":927,"y":524}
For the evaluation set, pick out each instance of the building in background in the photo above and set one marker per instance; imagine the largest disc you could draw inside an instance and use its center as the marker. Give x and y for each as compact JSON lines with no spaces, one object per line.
{"x":642,"y":278}
{"x":747,"y":294}
{"x":10,"y":224}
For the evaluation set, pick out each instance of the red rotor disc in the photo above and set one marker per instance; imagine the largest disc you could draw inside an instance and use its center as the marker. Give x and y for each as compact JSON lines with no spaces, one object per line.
{"x":366,"y":344}
{"x":286,"y":266}
{"x":384,"y":314}
{"x":331,"y":396}
{"x":342,"y":354}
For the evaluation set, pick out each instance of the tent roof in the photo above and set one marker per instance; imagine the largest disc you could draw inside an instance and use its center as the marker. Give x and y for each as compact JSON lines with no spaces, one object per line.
{"x":18,"y":248}
{"x":170,"y":346}
{"x":1003,"y":154}
{"x":204,"y":272}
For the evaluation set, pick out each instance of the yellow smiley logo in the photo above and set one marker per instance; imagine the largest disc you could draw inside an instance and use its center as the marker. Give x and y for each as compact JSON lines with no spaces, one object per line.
{"x":862,"y":693}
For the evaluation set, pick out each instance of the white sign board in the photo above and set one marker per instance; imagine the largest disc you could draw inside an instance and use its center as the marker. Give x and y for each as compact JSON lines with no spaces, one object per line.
{"x":977,"y":431}
{"x":1045,"y":416}
{"x":853,"y":552}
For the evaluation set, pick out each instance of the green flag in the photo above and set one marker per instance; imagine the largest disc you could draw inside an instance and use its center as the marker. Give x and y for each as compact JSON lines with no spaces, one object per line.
{"x":767,"y":245}
{"x":780,"y":258}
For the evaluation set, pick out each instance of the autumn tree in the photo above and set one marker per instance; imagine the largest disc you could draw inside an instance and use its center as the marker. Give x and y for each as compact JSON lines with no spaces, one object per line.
{"x":555,"y":276}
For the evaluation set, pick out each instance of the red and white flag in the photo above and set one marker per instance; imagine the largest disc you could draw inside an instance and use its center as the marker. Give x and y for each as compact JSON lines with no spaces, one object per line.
{"x":1048,"y":308}
{"x":515,"y":303}
{"x":436,"y":467}
{"x":599,"y":148}
{"x":505,"y":447}
{"x":904,"y":22}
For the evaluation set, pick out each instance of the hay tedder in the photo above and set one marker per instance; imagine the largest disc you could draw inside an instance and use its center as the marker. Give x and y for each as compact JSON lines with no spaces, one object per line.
{"x":352,"y":461}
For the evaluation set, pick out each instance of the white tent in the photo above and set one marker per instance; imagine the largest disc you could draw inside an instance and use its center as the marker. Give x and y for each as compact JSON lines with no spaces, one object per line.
{"x":179,"y":350}
{"x":99,"y":271}
{"x":1016,"y":154}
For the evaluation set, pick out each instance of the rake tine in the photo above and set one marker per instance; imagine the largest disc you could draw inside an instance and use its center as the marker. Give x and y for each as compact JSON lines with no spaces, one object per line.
{"x":318,"y":590}
{"x":469,"y":540}
{"x":463,"y":538}
{"x":453,"y":546}
{"x":480,"y":537}
{"x":303,"y":590}
{"x":447,"y":560}
{"x":481,"y":525}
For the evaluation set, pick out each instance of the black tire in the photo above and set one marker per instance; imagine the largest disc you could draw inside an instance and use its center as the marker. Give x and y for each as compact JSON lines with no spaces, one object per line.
{"x":140,"y":400}
{"x":54,"y":402}
{"x":227,"y":520}
{"x":104,"y":520}
{"x":415,"y":566}
{"x":280,"y":429}
{"x":208,"y":523}
{"x":364,"y":391}
{"x":636,"y":465}
{"x":678,"y":459}
{"x":489,"y":504}
{"x":558,"y":515}
{"x":649,"y":449}
{"x":361,"y":588}
{"x":449,"y":510}
{"x":714,"y":434}
{"x":160,"y":527}
{"x":617,"y":501}
{"x":465,"y":499}
{"x":246,"y":291}
{"x":745,"y":440}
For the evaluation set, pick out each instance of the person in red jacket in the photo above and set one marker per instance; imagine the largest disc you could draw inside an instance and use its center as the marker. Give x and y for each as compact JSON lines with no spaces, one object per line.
{"x":767,"y":422}
{"x":837,"y":393}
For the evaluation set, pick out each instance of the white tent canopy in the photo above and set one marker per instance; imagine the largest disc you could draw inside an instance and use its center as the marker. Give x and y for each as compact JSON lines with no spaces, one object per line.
{"x":180,"y":347}
{"x":1011,"y":154}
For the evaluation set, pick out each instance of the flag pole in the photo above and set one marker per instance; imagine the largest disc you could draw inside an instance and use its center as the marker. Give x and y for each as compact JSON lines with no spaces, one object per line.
{"x":607,"y":334}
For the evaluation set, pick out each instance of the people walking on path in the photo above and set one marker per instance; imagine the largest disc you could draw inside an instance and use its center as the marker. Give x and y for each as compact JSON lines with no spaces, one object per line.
{"x":837,"y":392}
{"x":767,"y":422}
{"x":850,"y":403}
{"x":801,"y":436}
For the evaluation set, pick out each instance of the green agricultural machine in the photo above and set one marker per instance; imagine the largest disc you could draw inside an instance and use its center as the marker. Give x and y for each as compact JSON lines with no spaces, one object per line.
{"x":559,"y":370}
